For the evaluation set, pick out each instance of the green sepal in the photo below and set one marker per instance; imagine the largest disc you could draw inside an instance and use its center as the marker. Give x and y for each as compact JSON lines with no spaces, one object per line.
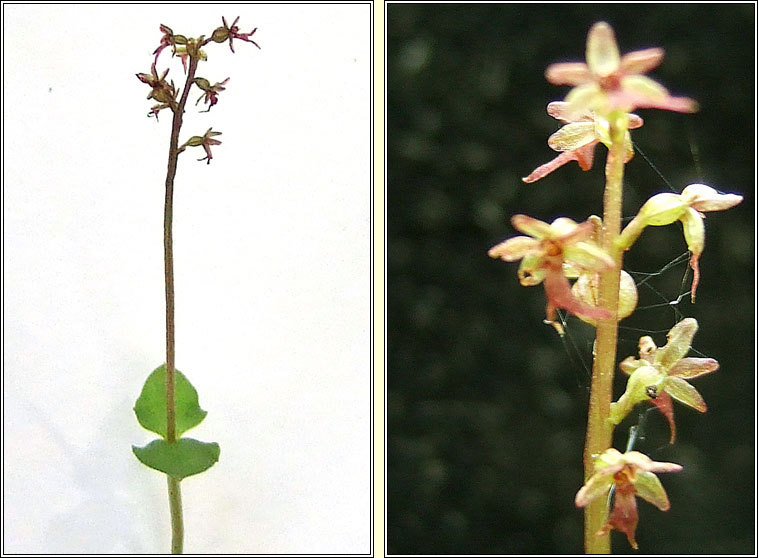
{"x":181,"y":459}
{"x":150,"y":407}
{"x":636,"y":392}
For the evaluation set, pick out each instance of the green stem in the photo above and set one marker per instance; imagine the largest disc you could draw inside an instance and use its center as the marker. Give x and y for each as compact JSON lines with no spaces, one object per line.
{"x":177,"y":522}
{"x":174,"y":493}
{"x":599,"y":430}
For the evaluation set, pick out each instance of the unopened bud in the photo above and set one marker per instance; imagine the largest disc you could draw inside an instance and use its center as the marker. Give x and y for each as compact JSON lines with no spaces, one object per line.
{"x":195,"y":141}
{"x":203,"y":83}
{"x":587,"y":289}
{"x":220,"y":35}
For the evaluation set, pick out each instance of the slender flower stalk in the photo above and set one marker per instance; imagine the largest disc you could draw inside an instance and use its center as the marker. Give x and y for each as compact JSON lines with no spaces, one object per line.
{"x":168,"y":252}
{"x":175,"y":495}
{"x":599,"y":430}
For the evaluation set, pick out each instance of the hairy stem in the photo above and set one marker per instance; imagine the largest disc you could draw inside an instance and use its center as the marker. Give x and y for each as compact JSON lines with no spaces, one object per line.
{"x":599,"y":430}
{"x":174,"y":494}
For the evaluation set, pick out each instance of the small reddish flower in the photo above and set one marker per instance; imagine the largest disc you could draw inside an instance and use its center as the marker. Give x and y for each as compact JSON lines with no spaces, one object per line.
{"x":169,"y":40}
{"x":687,"y":207}
{"x":161,"y":91}
{"x":211,"y":91}
{"x":232,"y":32}
{"x":543,"y":256}
{"x":577,"y":139}
{"x":206,"y":140}
{"x":662,"y":373}
{"x":610,"y":82}
{"x":632,"y":474}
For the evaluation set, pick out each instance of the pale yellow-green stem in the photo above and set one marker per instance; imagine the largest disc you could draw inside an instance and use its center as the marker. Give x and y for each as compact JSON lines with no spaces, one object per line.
{"x":599,"y":430}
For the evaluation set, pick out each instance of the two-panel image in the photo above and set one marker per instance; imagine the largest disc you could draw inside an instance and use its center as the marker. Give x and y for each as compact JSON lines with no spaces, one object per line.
{"x":379,"y":279}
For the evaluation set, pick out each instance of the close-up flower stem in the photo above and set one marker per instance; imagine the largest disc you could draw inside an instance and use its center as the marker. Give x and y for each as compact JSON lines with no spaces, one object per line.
{"x":599,"y":430}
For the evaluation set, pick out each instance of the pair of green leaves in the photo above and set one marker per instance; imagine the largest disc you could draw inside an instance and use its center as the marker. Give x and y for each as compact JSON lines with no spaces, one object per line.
{"x":185,"y":456}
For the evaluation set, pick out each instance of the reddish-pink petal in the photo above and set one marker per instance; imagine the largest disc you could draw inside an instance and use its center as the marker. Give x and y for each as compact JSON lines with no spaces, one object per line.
{"x":666,"y":407}
{"x":568,"y":73}
{"x":624,"y":515}
{"x":543,"y":170}
{"x":641,"y":61}
{"x":695,"y":274}
{"x":585,"y":155}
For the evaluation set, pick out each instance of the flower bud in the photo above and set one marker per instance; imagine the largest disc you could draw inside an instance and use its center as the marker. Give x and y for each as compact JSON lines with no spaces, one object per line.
{"x":220,"y":35}
{"x":705,"y":198}
{"x":203,"y":83}
{"x":587,"y":290}
{"x":195,"y":141}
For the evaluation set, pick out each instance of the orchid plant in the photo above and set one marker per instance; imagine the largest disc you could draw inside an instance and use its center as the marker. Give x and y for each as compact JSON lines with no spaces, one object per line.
{"x":598,"y":110}
{"x":168,"y":404}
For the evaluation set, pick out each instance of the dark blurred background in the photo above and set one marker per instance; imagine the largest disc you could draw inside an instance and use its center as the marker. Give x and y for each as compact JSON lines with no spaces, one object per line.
{"x":486,"y":406}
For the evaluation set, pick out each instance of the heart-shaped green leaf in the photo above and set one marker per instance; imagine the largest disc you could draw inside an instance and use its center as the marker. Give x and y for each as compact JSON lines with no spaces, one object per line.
{"x":150,"y":407}
{"x":183,"y":458}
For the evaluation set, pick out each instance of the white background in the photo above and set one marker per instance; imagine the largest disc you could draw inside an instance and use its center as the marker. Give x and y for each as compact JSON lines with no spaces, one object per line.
{"x":272,"y":255}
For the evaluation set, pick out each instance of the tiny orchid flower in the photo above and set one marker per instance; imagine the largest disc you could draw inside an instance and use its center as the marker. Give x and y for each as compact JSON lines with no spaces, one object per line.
{"x":577,"y":139}
{"x":543,"y":254}
{"x":687,"y":207}
{"x":206,"y":140}
{"x":169,"y":39}
{"x":662,"y":373}
{"x":631,"y":474}
{"x":232,"y":32}
{"x":610,"y":82}
{"x":191,"y":49}
{"x":211,"y":91}
{"x":161,"y":91}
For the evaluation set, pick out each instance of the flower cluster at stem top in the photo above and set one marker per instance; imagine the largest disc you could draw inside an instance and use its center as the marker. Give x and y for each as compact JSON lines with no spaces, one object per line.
{"x":188,"y":48}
